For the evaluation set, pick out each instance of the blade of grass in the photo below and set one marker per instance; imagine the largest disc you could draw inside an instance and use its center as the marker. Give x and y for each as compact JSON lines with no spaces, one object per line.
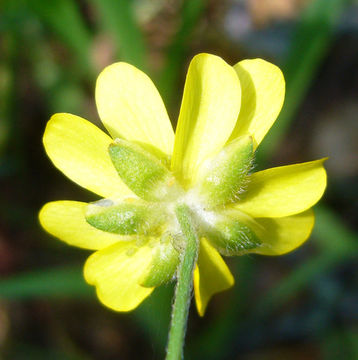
{"x":46,"y":283}
{"x":330,"y":233}
{"x":62,"y":92}
{"x":153,"y":317}
{"x":117,"y":18}
{"x":191,"y":11}
{"x":7,"y":76}
{"x":67,"y":282}
{"x":21,"y":350}
{"x":341,"y":343}
{"x":310,"y":44}
{"x":337,"y":244}
{"x":63,"y":17}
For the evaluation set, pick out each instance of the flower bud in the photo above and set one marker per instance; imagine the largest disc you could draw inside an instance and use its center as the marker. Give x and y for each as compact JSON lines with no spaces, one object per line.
{"x":124,"y":218}
{"x":222,"y":178}
{"x":142,"y":172}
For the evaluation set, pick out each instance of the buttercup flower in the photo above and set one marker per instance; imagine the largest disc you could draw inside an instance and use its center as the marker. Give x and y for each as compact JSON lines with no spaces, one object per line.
{"x":142,"y":171}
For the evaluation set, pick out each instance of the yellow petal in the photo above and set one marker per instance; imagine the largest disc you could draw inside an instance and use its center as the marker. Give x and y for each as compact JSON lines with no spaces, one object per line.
{"x":80,"y":150}
{"x":285,"y":234}
{"x":285,"y":190}
{"x":263,"y":92}
{"x":66,"y":221}
{"x":116,"y":272}
{"x":208,"y":114}
{"x":210,"y":276}
{"x":130,"y":106}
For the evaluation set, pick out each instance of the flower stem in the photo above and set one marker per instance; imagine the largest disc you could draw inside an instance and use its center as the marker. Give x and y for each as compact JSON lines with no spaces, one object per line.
{"x":184,"y":284}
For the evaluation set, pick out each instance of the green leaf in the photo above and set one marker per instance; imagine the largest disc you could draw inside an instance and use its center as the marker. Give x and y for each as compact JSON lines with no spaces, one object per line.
{"x":55,"y":283}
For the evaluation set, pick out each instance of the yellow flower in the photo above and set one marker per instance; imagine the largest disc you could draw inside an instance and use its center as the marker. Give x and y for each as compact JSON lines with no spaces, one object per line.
{"x":225,"y":113}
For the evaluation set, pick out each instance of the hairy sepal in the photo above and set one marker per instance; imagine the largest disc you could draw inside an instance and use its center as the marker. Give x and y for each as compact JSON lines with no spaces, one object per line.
{"x":164,"y":263}
{"x":233,"y":234}
{"x":223,"y":177}
{"x":142,"y":172}
{"x":125,"y":218}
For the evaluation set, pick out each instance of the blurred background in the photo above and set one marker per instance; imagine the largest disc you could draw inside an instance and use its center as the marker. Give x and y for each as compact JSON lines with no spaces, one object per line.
{"x":303,"y":305}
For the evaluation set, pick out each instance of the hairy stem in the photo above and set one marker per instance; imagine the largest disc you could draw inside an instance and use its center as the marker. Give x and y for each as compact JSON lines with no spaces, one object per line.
{"x":184,"y":284}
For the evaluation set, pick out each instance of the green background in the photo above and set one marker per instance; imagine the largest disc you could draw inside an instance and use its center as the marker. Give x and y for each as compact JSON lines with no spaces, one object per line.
{"x":303,"y":305}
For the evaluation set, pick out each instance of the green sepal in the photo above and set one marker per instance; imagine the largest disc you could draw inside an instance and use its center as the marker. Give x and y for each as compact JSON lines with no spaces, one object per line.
{"x":164,"y":263}
{"x":142,"y":172}
{"x":232,"y":235}
{"x":123,"y":218}
{"x":223,"y":178}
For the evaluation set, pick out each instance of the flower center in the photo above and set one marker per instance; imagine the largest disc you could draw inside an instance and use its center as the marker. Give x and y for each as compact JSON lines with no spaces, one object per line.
{"x":150,"y":212}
